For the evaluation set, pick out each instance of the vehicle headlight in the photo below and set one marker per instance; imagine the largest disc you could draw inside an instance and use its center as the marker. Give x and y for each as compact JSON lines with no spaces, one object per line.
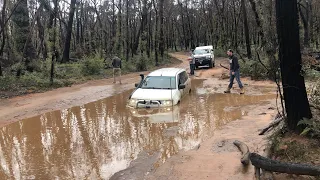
{"x":133,"y":102}
{"x":208,"y":57}
{"x":167,"y":103}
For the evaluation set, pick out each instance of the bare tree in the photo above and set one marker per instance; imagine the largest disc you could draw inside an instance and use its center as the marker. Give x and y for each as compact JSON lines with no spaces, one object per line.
{"x":294,"y":90}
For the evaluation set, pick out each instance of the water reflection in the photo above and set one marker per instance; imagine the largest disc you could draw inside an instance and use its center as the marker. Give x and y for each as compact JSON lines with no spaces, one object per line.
{"x":98,"y":139}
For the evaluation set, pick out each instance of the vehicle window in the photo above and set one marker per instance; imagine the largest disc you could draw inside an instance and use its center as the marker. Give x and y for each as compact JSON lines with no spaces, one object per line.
{"x":159,"y":82}
{"x":183,"y":77}
{"x":199,"y":52}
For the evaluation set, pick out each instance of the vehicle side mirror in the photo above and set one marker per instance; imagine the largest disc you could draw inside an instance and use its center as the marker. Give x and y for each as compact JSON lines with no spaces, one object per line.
{"x":136,"y":84}
{"x":182,"y":86}
{"x":192,"y":50}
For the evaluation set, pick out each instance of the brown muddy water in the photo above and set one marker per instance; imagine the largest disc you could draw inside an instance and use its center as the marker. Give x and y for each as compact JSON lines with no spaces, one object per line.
{"x":99,"y":139}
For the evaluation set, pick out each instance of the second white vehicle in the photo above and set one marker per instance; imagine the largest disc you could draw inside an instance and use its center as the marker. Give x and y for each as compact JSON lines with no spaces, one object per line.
{"x":161,"y":88}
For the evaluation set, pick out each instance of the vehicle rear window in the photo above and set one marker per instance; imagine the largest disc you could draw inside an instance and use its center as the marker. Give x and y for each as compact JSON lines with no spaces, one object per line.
{"x":159,"y":82}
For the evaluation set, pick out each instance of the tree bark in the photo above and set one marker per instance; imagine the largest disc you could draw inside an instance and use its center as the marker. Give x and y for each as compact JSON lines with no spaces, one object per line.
{"x":3,"y":34}
{"x":305,"y":22}
{"x":54,"y":53}
{"x":161,"y":38}
{"x":66,"y":51}
{"x":258,"y":21}
{"x":294,"y":90}
{"x":289,"y":168}
{"x":246,"y":28}
{"x":127,"y":31}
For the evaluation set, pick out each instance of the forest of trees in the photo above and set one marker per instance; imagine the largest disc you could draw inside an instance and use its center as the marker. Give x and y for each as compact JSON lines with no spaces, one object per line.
{"x":62,"y":31}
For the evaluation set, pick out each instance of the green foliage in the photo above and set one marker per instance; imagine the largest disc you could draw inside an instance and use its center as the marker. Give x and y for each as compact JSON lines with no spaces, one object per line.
{"x":92,"y":66}
{"x":312,"y":127}
{"x":253,"y":69}
{"x":220,"y":53}
{"x":141,"y":64}
{"x":68,"y":73}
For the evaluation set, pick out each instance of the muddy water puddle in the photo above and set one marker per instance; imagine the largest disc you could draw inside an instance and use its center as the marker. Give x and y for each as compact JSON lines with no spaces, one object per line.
{"x":99,"y":139}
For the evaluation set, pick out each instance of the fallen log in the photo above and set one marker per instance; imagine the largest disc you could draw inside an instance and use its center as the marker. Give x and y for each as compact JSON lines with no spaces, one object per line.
{"x":244,"y":150}
{"x":277,"y":166}
{"x":271,"y":125}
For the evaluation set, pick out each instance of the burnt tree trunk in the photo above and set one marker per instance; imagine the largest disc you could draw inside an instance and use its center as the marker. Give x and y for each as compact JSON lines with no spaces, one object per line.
{"x":161,"y":38}
{"x":66,"y":51}
{"x":258,"y":21}
{"x":305,"y":21}
{"x":3,"y":34}
{"x":53,"y":41}
{"x":127,"y":30}
{"x":246,"y":28}
{"x":295,"y":96}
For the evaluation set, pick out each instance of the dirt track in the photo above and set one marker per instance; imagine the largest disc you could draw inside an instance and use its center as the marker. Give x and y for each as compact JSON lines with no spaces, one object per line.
{"x":26,"y":106}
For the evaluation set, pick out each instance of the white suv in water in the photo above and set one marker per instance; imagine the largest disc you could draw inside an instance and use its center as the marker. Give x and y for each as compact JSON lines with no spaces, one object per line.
{"x":161,"y":88}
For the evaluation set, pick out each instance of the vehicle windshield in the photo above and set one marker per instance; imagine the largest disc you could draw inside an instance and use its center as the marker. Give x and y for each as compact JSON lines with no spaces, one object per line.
{"x":159,"y":82}
{"x":199,"y":51}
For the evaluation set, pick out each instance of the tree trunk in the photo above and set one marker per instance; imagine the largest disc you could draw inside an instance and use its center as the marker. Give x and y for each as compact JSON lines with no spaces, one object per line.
{"x":66,"y":51}
{"x":54,"y":53}
{"x":246,"y":28}
{"x":3,"y":34}
{"x":43,"y":44}
{"x":161,"y":38}
{"x":258,"y":21}
{"x":295,"y":96}
{"x":127,"y":31}
{"x":78,"y":25}
{"x":305,"y":21}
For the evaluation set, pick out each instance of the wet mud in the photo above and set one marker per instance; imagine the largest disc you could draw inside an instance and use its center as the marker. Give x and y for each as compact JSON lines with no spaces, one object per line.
{"x":105,"y":139}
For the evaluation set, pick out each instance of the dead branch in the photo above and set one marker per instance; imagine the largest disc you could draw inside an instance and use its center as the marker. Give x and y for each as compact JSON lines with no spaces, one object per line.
{"x":271,"y":125}
{"x":277,"y":166}
{"x":224,"y":66}
{"x":244,"y":150}
{"x":257,"y":173}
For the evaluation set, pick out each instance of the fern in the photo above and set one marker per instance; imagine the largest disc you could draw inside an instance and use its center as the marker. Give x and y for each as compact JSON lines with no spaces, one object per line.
{"x":312,"y":127}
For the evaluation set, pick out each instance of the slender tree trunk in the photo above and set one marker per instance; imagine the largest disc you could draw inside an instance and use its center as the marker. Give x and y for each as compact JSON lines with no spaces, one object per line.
{"x":156,"y":41}
{"x":54,"y":51}
{"x":3,"y":14}
{"x":246,"y":28}
{"x":258,"y":21}
{"x":78,"y":25}
{"x":66,"y":51}
{"x":161,"y":38}
{"x":127,"y":31}
{"x":43,"y":44}
{"x":295,"y":96}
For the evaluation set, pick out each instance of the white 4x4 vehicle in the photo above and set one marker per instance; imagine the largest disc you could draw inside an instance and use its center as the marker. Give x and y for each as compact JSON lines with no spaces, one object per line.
{"x":161,"y":88}
{"x":204,"y":55}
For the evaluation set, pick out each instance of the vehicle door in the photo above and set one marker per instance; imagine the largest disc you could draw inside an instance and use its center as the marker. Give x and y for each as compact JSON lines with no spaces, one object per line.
{"x":187,"y":82}
{"x":181,"y":80}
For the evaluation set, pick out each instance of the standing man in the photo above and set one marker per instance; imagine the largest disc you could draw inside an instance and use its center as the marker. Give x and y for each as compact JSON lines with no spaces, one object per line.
{"x":234,"y":72}
{"x":116,"y":64}
{"x":192,"y":63}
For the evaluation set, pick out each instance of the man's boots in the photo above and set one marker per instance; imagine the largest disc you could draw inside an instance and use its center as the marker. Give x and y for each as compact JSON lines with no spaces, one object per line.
{"x":227,"y":91}
{"x":242,"y":91}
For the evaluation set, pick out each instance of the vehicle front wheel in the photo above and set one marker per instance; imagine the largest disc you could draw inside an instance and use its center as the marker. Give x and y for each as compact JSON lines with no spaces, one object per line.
{"x":210,"y":64}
